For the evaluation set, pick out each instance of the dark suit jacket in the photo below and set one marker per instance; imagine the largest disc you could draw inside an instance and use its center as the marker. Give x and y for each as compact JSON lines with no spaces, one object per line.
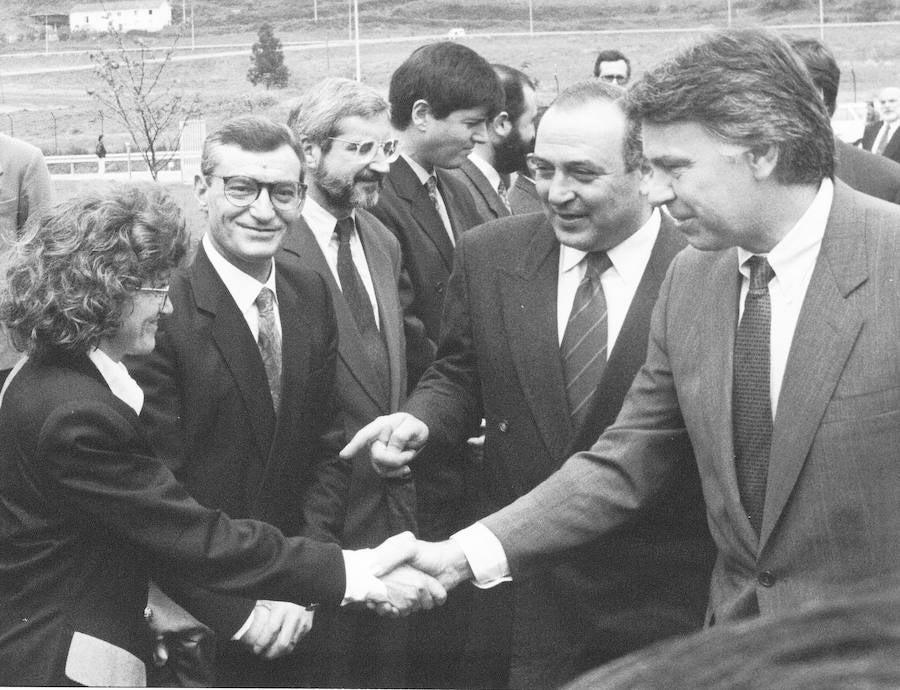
{"x":864,"y":171}
{"x":892,"y":150}
{"x":499,"y":357}
{"x":406,"y":210}
{"x":523,"y":197}
{"x":362,"y":649}
{"x":488,"y":204}
{"x":369,"y":518}
{"x":87,"y":514}
{"x":830,"y":517}
{"x":209,"y":414}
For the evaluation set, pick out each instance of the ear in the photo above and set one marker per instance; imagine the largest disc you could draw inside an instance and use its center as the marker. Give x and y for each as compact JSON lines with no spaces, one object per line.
{"x":420,"y":113}
{"x":312,"y":153}
{"x":200,"y":190}
{"x":762,"y":160}
{"x":501,"y":124}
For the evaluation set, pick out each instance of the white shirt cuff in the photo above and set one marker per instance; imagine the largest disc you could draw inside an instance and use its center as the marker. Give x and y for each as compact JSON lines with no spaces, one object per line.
{"x":245,"y":627}
{"x":485,"y":554}
{"x":362,"y":585}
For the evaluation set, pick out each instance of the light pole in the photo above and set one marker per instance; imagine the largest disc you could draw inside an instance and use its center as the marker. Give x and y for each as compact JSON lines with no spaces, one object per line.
{"x":356,"y":47}
{"x":822,"y":20}
{"x":316,"y":11}
{"x":193,"y":45}
{"x":729,"y":14}
{"x":531,"y":17}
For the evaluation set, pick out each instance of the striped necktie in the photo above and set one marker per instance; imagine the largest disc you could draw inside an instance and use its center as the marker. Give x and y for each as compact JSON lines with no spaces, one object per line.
{"x":583,"y":347}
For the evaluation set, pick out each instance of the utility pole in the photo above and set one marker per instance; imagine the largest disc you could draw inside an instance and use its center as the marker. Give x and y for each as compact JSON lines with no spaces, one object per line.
{"x":356,"y":26}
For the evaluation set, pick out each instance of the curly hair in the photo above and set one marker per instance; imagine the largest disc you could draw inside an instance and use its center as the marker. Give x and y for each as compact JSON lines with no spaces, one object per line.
{"x":71,"y":279}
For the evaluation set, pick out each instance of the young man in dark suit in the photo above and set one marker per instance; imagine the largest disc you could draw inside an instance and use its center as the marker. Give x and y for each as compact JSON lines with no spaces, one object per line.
{"x":512,"y":309}
{"x":344,"y":130}
{"x":441,"y":98}
{"x":510,"y":137}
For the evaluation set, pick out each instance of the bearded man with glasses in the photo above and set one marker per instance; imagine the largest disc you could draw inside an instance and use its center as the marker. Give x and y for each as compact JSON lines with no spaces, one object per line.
{"x":345,"y":133}
{"x":240,"y":391}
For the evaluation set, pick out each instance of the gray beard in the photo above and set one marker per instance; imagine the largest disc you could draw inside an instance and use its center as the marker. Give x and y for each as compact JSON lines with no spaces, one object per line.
{"x":343,"y":194}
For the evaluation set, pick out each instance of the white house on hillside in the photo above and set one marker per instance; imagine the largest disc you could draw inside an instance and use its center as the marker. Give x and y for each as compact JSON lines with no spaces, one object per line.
{"x":121,"y":15}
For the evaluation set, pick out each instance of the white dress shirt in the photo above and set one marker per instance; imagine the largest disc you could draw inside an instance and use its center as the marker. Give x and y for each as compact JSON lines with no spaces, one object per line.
{"x":323,"y":224}
{"x":884,"y":134}
{"x":423,"y":176}
{"x":629,"y":259}
{"x":793,"y":260}
{"x":492,"y":176}
{"x":243,"y":288}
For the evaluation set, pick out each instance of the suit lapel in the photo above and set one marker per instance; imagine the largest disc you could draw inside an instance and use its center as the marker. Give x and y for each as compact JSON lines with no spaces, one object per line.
{"x":302,"y":243}
{"x":407,"y":187}
{"x":235,"y":343}
{"x":483,"y":186}
{"x":529,"y":312}
{"x":826,"y":331}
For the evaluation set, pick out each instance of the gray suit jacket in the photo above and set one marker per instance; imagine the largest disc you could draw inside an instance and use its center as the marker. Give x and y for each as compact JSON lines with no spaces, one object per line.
{"x":369,"y":519}
{"x":488,"y":204}
{"x":866,"y":172}
{"x":25,"y":193}
{"x":830,"y":515}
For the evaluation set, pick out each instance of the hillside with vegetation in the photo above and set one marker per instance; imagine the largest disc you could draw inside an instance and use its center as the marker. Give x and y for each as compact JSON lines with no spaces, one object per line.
{"x":435,"y":16}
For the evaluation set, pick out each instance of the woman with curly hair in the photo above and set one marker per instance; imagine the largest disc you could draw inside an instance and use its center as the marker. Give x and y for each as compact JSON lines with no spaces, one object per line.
{"x":87,"y":515}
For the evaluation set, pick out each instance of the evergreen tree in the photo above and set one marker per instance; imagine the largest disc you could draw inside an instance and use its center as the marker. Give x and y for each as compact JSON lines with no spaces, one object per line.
{"x":267,"y":60}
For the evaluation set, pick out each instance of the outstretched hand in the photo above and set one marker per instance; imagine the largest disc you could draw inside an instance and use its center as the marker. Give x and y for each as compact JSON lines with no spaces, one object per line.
{"x":392,"y":442}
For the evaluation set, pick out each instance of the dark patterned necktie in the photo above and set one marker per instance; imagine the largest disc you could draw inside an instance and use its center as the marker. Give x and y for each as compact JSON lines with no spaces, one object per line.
{"x":503,"y":193}
{"x":270,"y":344}
{"x":431,"y":186}
{"x":361,"y":306}
{"x":583,"y":347}
{"x":751,"y":400}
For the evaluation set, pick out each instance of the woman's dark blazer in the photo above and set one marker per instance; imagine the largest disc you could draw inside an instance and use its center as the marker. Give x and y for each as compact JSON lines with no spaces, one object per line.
{"x":87,"y":515}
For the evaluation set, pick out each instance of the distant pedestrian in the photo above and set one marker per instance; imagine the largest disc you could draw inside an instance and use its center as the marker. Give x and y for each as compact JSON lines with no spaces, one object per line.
{"x":100,"y":150}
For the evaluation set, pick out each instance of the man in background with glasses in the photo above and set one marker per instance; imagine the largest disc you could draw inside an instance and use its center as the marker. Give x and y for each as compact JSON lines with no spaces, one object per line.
{"x":612,"y":67}
{"x":545,"y":326}
{"x":240,"y":389}
{"x":345,"y":132}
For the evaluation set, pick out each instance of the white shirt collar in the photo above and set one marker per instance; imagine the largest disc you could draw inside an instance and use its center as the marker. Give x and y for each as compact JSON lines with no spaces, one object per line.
{"x":420,"y":172}
{"x":243,"y":288}
{"x":794,"y":257}
{"x":493,"y":177}
{"x":629,"y":257}
{"x":118,"y":379}
{"x":320,"y":221}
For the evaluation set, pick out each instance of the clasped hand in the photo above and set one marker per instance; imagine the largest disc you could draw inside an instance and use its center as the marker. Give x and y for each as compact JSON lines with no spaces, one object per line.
{"x":415,"y":574}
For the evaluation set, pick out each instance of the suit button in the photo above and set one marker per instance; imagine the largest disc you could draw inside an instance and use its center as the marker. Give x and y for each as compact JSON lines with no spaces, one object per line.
{"x":439,"y":287}
{"x":766,"y":579}
{"x":503,"y":426}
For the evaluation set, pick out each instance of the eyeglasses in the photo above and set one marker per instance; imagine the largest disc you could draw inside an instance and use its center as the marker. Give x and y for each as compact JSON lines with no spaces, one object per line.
{"x":618,"y":78}
{"x":243,"y":191}
{"x":162,"y":293}
{"x":369,"y":148}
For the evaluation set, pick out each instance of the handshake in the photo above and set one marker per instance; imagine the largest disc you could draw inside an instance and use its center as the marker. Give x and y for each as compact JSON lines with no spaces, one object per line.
{"x":404,"y":575}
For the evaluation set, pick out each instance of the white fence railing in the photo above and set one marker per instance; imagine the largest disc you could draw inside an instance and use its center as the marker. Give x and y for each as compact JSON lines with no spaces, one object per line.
{"x":183,"y":164}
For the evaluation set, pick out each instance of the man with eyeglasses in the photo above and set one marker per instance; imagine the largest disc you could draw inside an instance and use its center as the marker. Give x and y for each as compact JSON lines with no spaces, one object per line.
{"x":612,"y":67}
{"x":345,"y":132}
{"x":545,"y":326}
{"x":510,"y":136}
{"x":239,"y":392}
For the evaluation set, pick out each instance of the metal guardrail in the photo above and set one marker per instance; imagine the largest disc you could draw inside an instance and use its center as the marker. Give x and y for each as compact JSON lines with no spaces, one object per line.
{"x":129,"y":163}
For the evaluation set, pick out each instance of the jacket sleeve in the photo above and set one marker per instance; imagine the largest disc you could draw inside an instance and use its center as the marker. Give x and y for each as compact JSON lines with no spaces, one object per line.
{"x":94,"y":462}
